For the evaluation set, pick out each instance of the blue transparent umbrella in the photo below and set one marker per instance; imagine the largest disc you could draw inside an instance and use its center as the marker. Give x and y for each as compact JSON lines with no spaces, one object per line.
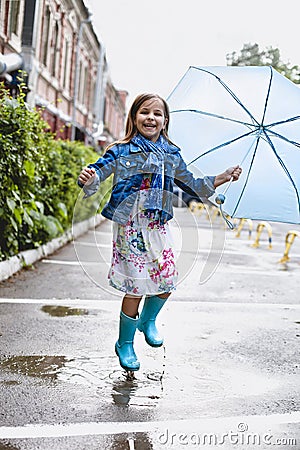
{"x":224,"y":116}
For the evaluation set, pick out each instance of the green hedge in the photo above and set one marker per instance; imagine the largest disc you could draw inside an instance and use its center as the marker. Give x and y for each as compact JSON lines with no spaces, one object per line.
{"x":39,"y":196}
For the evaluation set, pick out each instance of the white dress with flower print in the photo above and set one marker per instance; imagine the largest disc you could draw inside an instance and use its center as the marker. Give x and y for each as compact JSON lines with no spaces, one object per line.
{"x":143,"y":261}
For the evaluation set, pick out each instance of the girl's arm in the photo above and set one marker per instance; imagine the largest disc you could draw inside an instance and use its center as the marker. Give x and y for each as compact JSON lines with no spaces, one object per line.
{"x":90,"y":177}
{"x":203,"y":187}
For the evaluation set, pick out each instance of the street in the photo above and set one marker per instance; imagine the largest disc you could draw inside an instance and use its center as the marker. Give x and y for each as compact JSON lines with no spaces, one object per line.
{"x":228,"y":373}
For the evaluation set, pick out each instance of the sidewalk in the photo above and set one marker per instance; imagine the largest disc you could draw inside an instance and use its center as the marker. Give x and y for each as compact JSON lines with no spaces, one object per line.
{"x":230,"y":364}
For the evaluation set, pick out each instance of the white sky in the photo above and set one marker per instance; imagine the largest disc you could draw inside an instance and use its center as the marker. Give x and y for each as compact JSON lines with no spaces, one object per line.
{"x":150,"y":44}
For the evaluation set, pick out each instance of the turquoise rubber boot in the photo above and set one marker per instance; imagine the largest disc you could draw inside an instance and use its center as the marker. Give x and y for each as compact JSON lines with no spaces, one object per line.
{"x":146,"y":322}
{"x":124,"y":345}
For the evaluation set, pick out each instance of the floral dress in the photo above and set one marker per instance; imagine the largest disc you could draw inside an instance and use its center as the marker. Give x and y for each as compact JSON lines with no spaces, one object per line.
{"x":143,"y":261}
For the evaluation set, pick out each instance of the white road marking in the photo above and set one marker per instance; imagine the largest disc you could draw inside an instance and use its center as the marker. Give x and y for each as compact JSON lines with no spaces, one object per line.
{"x":199,"y":250}
{"x":111,"y":304}
{"x":201,"y":424}
{"x":131,"y":444}
{"x":249,"y":271}
{"x":102,"y":233}
{"x":90,"y":244}
{"x":69,"y":263}
{"x":107,"y":303}
{"x":231,"y":269}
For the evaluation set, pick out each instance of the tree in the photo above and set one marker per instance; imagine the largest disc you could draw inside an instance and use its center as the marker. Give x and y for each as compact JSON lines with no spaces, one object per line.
{"x":251,"y":55}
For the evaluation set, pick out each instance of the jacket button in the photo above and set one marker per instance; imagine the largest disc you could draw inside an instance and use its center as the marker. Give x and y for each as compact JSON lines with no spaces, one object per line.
{"x":127,"y":163}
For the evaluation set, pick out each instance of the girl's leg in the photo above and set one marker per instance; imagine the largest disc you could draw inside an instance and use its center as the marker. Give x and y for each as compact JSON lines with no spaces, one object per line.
{"x":128,"y":324}
{"x":152,"y":305}
{"x":130,"y":305}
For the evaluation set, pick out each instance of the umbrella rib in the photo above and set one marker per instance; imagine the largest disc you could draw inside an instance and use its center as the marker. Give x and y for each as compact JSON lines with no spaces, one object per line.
{"x":297,"y":144}
{"x":246,"y":181}
{"x":211,"y":115}
{"x":229,"y":91}
{"x":220,"y":146}
{"x":291,"y":119}
{"x":284,"y":167}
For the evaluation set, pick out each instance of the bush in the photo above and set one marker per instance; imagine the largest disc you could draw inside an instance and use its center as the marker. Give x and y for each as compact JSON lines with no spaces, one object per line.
{"x":38,"y":179}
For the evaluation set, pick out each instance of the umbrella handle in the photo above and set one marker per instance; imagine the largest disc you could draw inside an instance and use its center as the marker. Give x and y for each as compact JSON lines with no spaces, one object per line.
{"x":228,"y":185}
{"x":220,"y":199}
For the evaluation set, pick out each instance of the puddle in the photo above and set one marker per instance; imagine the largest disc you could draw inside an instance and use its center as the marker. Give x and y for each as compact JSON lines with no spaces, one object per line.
{"x":63,"y":311}
{"x":10,"y":383}
{"x":47,"y":367}
{"x":97,"y":372}
{"x":108,"y":380}
{"x":4,"y":446}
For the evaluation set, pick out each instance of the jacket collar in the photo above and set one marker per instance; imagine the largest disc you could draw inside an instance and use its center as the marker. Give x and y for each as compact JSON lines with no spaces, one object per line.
{"x":134,"y":148}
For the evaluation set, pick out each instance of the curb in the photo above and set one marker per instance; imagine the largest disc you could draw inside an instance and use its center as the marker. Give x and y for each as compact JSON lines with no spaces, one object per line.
{"x":28,"y":257}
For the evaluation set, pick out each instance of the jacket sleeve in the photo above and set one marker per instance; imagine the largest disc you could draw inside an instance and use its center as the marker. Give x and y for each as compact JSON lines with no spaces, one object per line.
{"x":202,"y":187}
{"x":104,"y":167}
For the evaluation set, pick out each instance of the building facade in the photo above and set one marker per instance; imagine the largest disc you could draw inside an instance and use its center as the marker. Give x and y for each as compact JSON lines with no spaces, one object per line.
{"x":65,"y":68}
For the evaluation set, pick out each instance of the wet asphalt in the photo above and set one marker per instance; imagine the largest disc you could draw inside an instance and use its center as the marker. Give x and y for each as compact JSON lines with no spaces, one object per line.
{"x":228,"y":373}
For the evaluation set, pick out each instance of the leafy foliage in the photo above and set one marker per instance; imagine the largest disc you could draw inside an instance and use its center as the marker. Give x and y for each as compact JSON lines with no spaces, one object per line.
{"x":251,"y":55}
{"x":38,"y":179}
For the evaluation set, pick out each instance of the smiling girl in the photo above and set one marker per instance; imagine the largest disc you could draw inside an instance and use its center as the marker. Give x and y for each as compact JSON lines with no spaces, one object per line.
{"x":145,"y":164}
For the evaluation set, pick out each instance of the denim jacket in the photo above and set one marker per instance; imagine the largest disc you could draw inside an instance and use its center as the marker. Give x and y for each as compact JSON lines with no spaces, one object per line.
{"x":125,"y":161}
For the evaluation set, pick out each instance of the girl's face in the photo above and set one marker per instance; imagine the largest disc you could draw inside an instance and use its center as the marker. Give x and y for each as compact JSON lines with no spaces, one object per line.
{"x":150,"y":119}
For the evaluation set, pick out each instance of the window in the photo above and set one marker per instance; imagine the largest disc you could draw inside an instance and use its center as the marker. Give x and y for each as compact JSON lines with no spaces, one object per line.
{"x":54,"y":49}
{"x":67,"y":64}
{"x":45,"y":38}
{"x":84,"y":86}
{"x":79,"y":85}
{"x":92,"y":96}
{"x":14,"y":17}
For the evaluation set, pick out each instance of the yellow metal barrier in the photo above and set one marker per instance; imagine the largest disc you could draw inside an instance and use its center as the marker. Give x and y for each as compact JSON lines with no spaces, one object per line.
{"x":241,"y":226}
{"x":215,"y":212}
{"x":196,"y":207}
{"x":193,"y":206}
{"x":289,"y":239}
{"x":259,"y":229}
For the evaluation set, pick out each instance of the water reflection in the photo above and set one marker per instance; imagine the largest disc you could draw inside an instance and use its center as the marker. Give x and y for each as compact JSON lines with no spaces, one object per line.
{"x":140,"y":441}
{"x":138,"y":392}
{"x":123,"y":390}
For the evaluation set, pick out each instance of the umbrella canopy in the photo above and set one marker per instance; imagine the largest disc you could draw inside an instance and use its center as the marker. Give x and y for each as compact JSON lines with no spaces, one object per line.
{"x":224,"y":116}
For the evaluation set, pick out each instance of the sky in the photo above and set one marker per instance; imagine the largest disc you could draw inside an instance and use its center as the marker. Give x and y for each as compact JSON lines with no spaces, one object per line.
{"x":151,"y":44}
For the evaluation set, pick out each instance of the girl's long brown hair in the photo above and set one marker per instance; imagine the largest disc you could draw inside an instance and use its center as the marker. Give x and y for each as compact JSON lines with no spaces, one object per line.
{"x":130,"y":128}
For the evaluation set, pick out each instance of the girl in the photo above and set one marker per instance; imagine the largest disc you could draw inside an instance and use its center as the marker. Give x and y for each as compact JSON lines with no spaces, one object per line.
{"x":145,"y":165}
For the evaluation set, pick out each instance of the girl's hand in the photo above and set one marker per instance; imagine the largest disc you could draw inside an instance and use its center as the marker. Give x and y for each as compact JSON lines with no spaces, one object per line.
{"x":232,"y":172}
{"x":87,"y":176}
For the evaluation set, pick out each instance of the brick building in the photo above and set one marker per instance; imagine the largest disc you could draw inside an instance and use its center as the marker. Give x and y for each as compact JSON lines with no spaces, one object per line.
{"x":67,"y":75}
